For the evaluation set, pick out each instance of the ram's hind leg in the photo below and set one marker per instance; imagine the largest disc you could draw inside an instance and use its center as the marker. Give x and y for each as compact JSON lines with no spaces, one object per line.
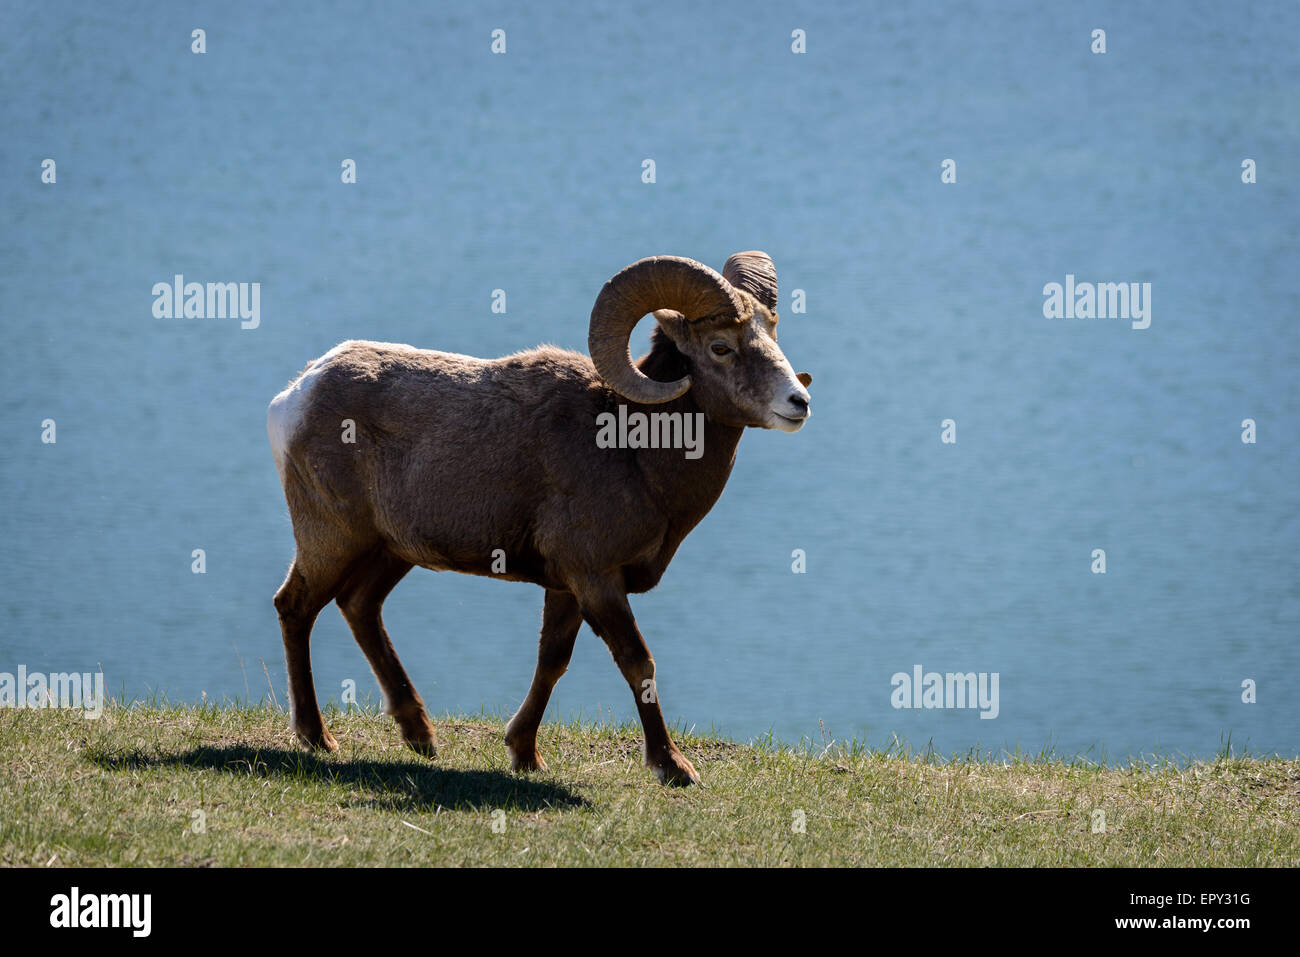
{"x":561,"y":620}
{"x":360,"y":600}
{"x":307,"y":589}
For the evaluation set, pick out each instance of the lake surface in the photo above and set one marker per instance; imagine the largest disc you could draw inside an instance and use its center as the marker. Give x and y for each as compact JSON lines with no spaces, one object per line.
{"x":523,"y":172}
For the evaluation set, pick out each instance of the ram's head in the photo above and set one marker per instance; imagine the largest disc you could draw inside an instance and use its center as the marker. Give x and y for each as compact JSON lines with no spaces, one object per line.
{"x":723,"y":325}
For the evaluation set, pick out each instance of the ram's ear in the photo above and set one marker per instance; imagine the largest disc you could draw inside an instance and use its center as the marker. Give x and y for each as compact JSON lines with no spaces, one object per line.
{"x":672,"y":322}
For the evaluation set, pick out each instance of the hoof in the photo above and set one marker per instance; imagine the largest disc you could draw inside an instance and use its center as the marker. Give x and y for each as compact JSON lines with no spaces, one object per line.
{"x":417,"y":732}
{"x":674,"y":770}
{"x":426,"y":747}
{"x":317,"y":740}
{"x":524,"y":760}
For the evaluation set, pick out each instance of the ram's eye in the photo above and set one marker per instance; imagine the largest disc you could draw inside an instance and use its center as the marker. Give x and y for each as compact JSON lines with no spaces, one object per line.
{"x":720,"y":348}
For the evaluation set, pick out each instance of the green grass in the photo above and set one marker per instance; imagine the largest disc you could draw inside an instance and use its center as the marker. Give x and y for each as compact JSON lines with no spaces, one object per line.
{"x":123,"y":790}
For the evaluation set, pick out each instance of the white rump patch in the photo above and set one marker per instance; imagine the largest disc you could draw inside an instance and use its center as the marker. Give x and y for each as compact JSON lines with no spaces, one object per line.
{"x":286,"y":409}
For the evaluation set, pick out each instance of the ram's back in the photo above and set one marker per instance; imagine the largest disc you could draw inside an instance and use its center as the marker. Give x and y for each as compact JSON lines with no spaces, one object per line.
{"x":450,"y":457}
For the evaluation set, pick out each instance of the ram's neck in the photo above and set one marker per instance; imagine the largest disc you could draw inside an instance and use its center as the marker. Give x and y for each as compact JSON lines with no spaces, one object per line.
{"x":688,"y":487}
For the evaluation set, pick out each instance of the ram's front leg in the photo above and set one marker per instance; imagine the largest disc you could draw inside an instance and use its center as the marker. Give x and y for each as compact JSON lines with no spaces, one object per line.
{"x":607,"y":612}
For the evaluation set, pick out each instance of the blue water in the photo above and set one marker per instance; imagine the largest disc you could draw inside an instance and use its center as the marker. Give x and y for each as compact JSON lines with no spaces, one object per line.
{"x":523,"y":172}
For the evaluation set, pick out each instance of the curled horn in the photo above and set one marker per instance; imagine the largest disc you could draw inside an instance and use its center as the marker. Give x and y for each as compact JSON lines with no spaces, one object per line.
{"x":656,"y":283}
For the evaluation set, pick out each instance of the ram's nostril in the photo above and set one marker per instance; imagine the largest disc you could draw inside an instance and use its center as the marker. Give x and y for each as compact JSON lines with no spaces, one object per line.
{"x":799,"y":402}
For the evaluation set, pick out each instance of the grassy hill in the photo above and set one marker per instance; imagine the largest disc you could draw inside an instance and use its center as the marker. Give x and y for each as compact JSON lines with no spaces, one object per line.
{"x":226,"y":786}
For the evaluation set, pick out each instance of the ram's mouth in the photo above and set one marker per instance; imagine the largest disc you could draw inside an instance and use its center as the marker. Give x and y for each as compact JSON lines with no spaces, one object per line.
{"x":786,"y":424}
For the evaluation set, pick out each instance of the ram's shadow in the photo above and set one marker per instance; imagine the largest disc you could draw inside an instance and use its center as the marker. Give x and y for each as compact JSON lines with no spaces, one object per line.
{"x":402,"y":785}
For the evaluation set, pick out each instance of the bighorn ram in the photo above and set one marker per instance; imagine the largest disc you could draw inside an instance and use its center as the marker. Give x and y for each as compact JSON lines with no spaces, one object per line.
{"x":460,"y":463}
